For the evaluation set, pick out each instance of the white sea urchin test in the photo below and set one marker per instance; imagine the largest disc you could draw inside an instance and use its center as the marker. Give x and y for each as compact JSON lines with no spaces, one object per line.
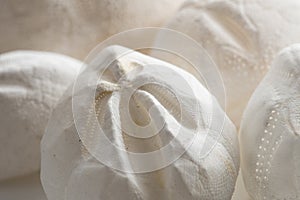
{"x":31,"y":83}
{"x":77,"y":163}
{"x":242,"y":37}
{"x":270,"y":129}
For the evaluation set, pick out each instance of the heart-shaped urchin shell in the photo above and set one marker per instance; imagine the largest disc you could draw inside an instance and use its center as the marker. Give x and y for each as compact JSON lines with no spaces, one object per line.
{"x":31,"y":83}
{"x":79,"y":168}
{"x":269,"y":134}
{"x":242,"y":37}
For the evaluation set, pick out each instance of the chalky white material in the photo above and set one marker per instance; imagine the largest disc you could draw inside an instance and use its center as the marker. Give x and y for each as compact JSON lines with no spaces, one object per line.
{"x":242,"y":37}
{"x":71,"y":171}
{"x":74,"y":27}
{"x":31,"y":83}
{"x":270,"y":129}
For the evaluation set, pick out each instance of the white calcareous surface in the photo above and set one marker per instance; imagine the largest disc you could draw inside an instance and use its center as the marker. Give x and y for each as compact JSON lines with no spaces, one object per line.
{"x":73,"y":27}
{"x":270,"y":129}
{"x":31,"y":83}
{"x":70,"y":169}
{"x":242,"y":37}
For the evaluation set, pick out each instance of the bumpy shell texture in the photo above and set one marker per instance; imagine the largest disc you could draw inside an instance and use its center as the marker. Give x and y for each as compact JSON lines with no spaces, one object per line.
{"x":71,"y":171}
{"x":31,"y":83}
{"x":269,"y":134}
{"x":242,"y":37}
{"x":73,"y":27}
